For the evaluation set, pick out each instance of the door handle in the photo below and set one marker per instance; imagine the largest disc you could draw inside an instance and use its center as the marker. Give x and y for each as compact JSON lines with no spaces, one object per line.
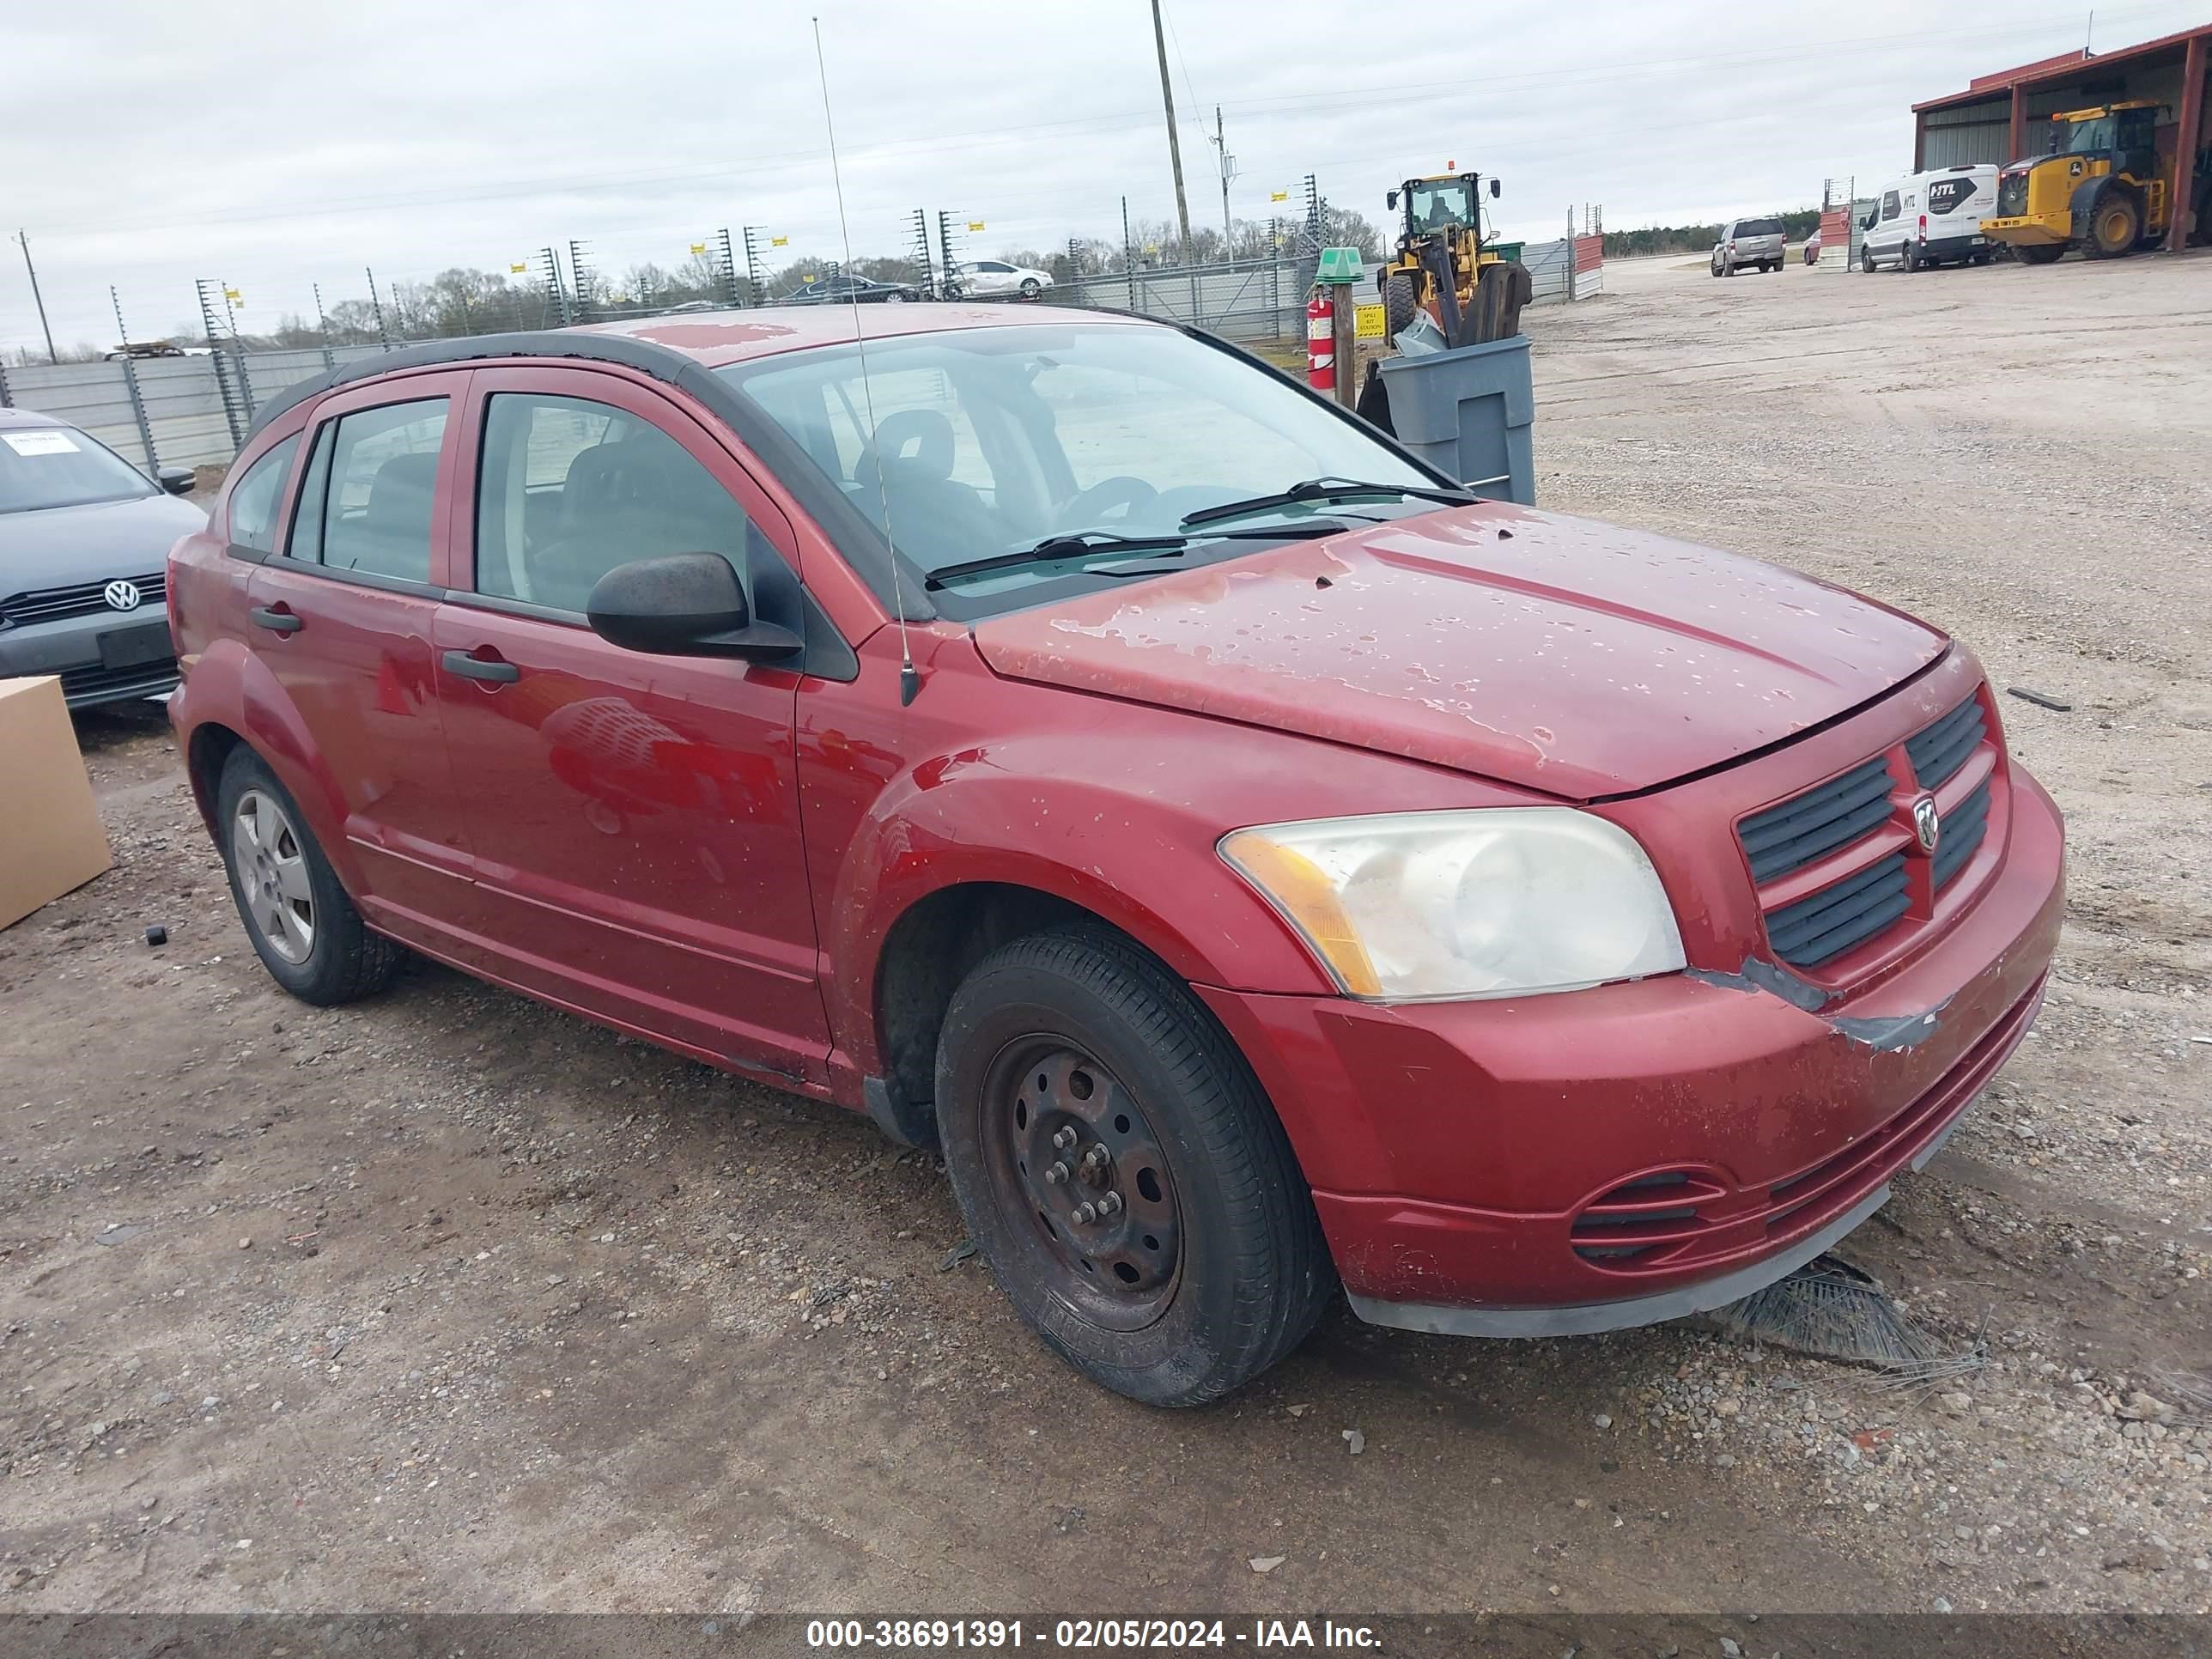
{"x":475,"y":668}
{"x":277,"y":621}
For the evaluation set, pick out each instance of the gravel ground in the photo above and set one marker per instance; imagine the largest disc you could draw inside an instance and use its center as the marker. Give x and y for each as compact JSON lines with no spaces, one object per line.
{"x":447,"y":1301}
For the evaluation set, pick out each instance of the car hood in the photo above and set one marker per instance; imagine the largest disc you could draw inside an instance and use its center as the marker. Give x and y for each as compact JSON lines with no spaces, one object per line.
{"x":1557,"y":654}
{"x":57,"y":546}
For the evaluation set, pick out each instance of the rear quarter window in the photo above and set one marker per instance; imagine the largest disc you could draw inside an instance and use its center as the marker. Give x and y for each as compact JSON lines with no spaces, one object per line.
{"x":253,"y":503}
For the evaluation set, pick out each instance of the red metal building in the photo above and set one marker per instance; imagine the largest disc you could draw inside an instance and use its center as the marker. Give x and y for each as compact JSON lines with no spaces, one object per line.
{"x":2001,"y":118}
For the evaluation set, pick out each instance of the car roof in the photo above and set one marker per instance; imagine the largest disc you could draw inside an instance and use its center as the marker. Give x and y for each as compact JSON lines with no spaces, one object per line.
{"x":677,"y":350}
{"x":20,"y":417}
{"x":719,"y":338}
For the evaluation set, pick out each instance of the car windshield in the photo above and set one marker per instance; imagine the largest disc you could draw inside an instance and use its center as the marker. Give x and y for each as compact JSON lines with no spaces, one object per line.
{"x":44,"y":466}
{"x":977,"y":443}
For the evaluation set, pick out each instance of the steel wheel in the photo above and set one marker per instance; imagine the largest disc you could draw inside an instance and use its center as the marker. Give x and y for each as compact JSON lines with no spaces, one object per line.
{"x":1068,"y":1146}
{"x":272,"y":875}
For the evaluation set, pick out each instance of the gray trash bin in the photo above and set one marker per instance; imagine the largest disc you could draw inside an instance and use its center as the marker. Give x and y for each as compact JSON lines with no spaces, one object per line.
{"x":1467,"y":412}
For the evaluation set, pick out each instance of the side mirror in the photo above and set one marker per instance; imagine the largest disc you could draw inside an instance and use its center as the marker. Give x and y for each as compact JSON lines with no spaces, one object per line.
{"x":1496,"y":190}
{"x":688,"y":605}
{"x":1390,"y":200}
{"x":177,"y":480}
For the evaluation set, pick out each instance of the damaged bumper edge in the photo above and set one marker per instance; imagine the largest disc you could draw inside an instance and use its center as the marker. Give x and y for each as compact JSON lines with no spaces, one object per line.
{"x":1590,"y":1318}
{"x":1884,"y":1036}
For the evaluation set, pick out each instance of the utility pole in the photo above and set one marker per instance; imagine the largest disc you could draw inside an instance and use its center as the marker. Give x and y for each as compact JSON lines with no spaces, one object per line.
{"x":1228,"y":172}
{"x":53,"y":356}
{"x":1175,"y":144}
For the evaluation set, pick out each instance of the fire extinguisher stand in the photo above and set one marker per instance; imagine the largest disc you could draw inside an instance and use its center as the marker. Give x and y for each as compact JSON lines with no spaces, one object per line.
{"x":1332,"y":368}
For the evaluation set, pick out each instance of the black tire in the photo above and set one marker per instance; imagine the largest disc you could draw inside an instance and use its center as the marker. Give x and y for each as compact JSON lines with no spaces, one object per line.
{"x":1866,"y":258}
{"x":1912,"y":260}
{"x":338,"y":959}
{"x":2041,"y":254}
{"x":1400,"y":303}
{"x":1981,"y":258}
{"x":2115,"y":226}
{"x":1070,"y":1036}
{"x":1031,"y":287}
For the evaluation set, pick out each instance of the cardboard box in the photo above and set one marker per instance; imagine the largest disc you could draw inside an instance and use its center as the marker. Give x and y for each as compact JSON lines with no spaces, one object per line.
{"x":50,"y":840}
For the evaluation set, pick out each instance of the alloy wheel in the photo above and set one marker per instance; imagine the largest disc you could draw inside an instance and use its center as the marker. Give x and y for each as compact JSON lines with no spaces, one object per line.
{"x":271,"y":871}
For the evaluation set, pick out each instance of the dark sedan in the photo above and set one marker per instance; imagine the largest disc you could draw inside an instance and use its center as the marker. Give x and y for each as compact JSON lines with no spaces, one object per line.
{"x":843,"y":290}
{"x":84,"y":542}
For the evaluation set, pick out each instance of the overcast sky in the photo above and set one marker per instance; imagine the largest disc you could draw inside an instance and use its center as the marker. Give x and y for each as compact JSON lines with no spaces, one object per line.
{"x":274,"y":145}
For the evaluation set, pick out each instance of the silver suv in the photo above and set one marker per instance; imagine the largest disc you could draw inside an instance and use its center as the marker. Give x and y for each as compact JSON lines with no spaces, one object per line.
{"x":1748,"y":245}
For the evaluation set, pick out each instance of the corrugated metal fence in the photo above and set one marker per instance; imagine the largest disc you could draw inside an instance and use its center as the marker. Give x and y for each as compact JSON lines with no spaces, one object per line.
{"x":172,"y":411}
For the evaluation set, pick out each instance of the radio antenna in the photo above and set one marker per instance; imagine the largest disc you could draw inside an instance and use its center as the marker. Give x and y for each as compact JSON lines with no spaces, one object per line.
{"x":909,"y":677}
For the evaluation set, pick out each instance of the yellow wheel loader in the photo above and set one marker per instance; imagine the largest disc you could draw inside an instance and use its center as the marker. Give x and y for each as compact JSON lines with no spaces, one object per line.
{"x":1438,"y":264}
{"x":2104,"y":188}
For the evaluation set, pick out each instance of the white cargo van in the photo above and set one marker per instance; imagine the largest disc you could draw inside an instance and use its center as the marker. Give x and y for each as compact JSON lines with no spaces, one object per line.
{"x":1931,"y":218}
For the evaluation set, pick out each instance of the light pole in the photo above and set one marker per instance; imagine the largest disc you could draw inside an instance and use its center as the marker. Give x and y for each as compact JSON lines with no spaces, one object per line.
{"x":53,"y":356}
{"x":1175,"y":144}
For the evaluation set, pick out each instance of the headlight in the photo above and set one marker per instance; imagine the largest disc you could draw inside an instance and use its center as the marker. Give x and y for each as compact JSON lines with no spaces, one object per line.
{"x":1496,"y":902}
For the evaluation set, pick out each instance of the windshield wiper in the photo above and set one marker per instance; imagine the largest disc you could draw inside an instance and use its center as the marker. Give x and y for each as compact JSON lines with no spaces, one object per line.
{"x":1326,"y":490}
{"x":1077,"y":543}
{"x":1071,"y":546}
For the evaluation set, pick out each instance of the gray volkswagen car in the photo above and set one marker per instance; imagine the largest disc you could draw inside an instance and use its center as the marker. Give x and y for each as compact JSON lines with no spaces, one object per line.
{"x":84,"y":542}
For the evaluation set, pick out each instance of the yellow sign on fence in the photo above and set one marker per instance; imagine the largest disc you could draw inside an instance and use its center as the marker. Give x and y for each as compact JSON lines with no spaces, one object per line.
{"x":698,"y":247}
{"x":778,"y":241}
{"x":975,"y":224}
{"x":517,"y":271}
{"x":1367,"y":322}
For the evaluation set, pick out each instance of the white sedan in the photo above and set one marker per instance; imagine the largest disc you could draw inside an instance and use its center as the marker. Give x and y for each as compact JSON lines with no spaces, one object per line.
{"x":996,"y":277}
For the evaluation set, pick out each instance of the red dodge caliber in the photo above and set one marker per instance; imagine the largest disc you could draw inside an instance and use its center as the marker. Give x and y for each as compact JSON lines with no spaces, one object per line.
{"x":1257,"y":864}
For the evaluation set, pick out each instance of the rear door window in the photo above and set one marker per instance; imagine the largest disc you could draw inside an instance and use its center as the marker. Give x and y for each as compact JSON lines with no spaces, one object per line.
{"x":374,"y":483}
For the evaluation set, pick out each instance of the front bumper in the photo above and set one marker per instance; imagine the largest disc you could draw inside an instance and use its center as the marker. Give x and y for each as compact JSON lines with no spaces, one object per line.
{"x":1603,"y":1159}
{"x":90,"y":672}
{"x":2030,"y":229}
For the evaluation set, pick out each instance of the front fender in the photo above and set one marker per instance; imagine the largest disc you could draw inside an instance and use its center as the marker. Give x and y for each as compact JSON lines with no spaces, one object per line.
{"x":1145,"y":863}
{"x":2082,"y":204}
{"x":230,"y":686}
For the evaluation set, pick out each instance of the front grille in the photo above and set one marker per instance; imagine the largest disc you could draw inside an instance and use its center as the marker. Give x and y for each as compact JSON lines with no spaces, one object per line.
{"x":1833,"y":920}
{"x":1816,"y":823}
{"x":79,"y":599}
{"x":1962,"y":832}
{"x":2012,"y":194}
{"x":1855,"y":821}
{"x":99,"y":684}
{"x":1938,"y":752}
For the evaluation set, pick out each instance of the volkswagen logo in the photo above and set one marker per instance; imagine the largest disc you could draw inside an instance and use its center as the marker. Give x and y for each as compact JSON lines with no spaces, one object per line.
{"x":1927,"y":824}
{"x":121,"y":596}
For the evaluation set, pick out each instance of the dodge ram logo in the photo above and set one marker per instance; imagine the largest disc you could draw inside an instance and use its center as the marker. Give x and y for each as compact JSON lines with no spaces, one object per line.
{"x":1926,"y":824}
{"x":121,"y":596}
